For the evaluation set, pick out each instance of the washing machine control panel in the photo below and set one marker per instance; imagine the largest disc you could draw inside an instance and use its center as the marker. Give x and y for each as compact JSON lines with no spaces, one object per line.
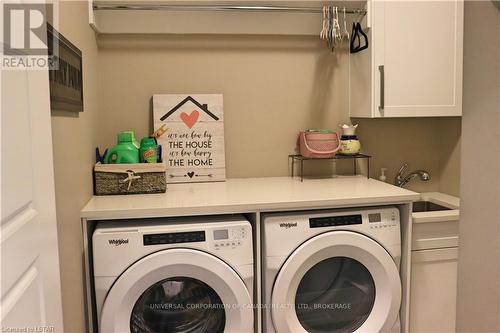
{"x":174,"y":238}
{"x":333,"y":221}
{"x":382,"y":220}
{"x":229,"y":238}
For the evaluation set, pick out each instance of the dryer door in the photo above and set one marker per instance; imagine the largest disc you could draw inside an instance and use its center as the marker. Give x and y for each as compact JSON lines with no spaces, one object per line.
{"x":178,"y":290}
{"x":339,"y":281}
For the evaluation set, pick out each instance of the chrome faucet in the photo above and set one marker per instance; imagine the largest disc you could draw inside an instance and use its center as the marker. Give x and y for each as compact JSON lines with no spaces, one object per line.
{"x":401,"y":180}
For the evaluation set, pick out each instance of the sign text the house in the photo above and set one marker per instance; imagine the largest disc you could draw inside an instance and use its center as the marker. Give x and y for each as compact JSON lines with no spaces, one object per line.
{"x":193,"y":148}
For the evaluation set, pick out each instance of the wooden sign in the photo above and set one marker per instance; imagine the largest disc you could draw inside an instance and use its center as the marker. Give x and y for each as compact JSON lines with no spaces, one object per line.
{"x":65,"y":81}
{"x":193,"y":146}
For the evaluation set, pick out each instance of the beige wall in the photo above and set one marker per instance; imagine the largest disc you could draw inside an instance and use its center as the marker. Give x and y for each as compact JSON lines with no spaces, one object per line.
{"x":74,"y":138}
{"x":449,"y":137}
{"x":273,"y":87}
{"x":432,"y":144}
{"x":478,"y":308}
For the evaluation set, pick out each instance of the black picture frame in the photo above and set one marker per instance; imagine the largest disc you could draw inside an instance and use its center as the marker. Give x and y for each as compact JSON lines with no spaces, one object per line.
{"x":65,"y":73}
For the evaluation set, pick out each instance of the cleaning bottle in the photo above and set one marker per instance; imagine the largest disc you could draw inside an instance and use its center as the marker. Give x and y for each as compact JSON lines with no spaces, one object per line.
{"x":147,"y":150}
{"x":125,"y":152}
{"x":383,"y":177}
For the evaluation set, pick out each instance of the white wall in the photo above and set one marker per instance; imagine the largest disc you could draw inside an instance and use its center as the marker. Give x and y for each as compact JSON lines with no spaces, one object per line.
{"x":478,"y":308}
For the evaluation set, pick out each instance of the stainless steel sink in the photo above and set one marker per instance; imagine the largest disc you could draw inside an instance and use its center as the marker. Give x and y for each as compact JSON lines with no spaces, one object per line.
{"x":427,"y":206}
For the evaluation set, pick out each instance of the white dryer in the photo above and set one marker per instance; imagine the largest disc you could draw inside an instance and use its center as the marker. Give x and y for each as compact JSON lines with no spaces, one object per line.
{"x":174,"y":275}
{"x":332,"y":271}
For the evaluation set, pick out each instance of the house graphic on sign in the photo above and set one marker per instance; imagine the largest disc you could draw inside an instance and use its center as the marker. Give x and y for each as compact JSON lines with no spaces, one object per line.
{"x":202,"y":107}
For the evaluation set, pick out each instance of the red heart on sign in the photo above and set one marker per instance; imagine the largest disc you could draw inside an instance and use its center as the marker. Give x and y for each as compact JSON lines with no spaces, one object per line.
{"x":190,"y":119}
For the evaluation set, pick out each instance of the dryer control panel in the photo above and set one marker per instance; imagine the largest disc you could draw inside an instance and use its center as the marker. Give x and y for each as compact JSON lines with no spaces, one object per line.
{"x":374,"y":219}
{"x":292,"y":228}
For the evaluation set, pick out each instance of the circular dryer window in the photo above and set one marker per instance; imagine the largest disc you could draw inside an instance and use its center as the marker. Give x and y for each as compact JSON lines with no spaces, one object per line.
{"x":178,"y":304}
{"x":338,"y":281}
{"x":335,"y":295}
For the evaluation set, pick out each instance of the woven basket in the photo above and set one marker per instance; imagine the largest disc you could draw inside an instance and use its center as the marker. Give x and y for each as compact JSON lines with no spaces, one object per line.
{"x":318,"y":145}
{"x":129,"y":178}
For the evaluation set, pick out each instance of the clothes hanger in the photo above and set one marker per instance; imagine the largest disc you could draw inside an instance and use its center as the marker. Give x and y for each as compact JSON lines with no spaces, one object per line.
{"x":345,"y":27}
{"x":322,"y":34}
{"x":355,"y":45}
{"x":330,"y":27}
{"x":355,"y":40}
{"x":336,"y":26}
{"x":333,"y":41}
{"x":359,"y":29}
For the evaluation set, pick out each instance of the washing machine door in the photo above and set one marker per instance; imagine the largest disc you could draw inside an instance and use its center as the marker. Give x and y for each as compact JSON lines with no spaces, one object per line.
{"x":178,"y":290}
{"x":339,"y":281}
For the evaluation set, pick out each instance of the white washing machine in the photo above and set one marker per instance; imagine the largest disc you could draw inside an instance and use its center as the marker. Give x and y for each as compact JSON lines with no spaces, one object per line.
{"x":332,"y":271}
{"x":174,"y":275}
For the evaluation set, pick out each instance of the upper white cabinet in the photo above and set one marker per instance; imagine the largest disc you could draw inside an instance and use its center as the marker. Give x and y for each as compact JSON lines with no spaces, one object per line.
{"x":413,"y":67}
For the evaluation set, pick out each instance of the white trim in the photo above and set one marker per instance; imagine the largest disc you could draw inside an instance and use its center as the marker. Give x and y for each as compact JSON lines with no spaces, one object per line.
{"x":171,"y":263}
{"x":435,"y":243}
{"x":442,"y":199}
{"x":92,"y":20}
{"x":436,"y":216}
{"x":435,"y":255}
{"x":339,"y":244}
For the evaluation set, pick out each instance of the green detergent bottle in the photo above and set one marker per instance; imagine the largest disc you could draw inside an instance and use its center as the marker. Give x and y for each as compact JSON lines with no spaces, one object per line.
{"x":147,"y":151}
{"x":125,"y":152}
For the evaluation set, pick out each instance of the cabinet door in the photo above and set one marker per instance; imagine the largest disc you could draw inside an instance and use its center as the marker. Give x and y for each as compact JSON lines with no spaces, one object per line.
{"x":417,"y":67}
{"x":433,"y":290}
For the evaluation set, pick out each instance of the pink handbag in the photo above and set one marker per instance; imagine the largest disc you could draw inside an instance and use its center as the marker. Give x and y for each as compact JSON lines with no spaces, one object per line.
{"x":318,"y":144}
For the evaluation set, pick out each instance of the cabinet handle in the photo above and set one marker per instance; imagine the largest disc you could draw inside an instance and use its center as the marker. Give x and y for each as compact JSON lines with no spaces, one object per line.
{"x":382,"y":87}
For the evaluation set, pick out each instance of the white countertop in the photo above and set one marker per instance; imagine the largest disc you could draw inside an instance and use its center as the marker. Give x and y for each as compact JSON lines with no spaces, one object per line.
{"x":248,"y":195}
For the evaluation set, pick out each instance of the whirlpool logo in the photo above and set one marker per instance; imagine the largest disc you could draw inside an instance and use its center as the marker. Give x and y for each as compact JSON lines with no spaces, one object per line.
{"x":118,"y":242}
{"x":288,"y":225}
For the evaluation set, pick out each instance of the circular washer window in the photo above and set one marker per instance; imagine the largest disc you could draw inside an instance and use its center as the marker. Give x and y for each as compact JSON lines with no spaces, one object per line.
{"x":178,"y":304}
{"x":335,"y":295}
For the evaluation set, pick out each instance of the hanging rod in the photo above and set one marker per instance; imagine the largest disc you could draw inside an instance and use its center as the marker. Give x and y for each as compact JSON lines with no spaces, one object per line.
{"x":181,"y":8}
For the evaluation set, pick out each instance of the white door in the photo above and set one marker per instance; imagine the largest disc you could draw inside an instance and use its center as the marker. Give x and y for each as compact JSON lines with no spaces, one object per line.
{"x":338,"y":281}
{"x":433,"y":296}
{"x":178,"y":290}
{"x":30,"y":281}
{"x":418,"y":50}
